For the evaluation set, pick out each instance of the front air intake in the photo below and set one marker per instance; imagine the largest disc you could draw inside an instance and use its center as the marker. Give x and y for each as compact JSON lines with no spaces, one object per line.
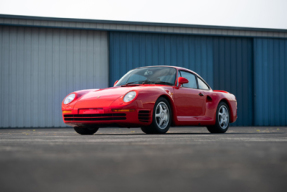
{"x":144,"y":115}
{"x":95,"y":117}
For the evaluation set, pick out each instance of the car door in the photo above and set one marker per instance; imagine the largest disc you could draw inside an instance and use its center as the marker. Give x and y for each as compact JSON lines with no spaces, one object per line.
{"x":188,"y":99}
{"x":204,"y":93}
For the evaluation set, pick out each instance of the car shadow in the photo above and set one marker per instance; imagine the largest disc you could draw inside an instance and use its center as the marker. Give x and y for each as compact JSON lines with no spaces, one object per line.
{"x":211,"y":134}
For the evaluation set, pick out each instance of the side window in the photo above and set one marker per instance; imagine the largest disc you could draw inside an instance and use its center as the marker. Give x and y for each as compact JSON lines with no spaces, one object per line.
{"x":202,"y":85}
{"x":191,"y":78}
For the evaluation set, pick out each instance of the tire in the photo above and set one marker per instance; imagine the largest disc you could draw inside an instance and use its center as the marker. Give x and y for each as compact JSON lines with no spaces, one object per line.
{"x":222,"y":119}
{"x":86,"y":130}
{"x":146,"y":130}
{"x":161,"y":118}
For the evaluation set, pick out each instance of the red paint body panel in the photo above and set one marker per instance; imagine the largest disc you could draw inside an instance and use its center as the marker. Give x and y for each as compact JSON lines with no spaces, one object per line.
{"x":95,"y":106}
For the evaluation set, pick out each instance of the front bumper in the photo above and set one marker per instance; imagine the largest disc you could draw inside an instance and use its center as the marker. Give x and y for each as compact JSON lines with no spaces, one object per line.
{"x":105,"y":117}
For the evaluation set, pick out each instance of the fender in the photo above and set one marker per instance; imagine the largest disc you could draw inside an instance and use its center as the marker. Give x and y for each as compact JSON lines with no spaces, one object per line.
{"x":79,"y":94}
{"x":230,"y":100}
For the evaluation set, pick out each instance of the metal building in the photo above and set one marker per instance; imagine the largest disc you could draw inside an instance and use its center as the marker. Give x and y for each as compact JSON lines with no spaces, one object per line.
{"x":44,"y":59}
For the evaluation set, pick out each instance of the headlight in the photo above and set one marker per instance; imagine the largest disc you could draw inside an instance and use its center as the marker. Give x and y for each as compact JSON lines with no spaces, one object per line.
{"x":130,"y":96}
{"x":69,"y":98}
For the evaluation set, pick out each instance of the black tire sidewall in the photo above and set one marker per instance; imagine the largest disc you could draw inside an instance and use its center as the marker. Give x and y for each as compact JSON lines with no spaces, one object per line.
{"x":86,"y":130}
{"x":147,"y":130}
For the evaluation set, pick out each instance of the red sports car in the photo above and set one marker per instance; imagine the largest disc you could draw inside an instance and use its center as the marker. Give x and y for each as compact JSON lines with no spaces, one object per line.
{"x":153,"y":98}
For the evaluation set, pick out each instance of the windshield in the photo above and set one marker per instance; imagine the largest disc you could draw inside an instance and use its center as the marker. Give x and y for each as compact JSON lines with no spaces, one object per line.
{"x":149,"y":75}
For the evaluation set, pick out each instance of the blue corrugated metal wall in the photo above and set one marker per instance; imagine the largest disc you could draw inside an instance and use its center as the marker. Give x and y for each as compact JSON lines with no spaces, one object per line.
{"x":253,"y":71}
{"x":270,"y":66}
{"x":233,"y":72}
{"x":131,"y":50}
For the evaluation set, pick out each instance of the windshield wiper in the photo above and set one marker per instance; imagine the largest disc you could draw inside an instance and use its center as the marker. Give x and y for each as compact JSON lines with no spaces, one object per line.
{"x":131,"y":83}
{"x":147,"y":82}
{"x":162,"y":82}
{"x":156,"y":82}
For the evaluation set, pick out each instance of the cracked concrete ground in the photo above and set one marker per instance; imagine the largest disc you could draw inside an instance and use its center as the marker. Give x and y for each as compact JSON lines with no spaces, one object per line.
{"x":184,"y":159}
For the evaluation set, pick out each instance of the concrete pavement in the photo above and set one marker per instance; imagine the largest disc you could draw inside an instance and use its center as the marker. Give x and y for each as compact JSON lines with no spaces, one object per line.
{"x":184,"y":159}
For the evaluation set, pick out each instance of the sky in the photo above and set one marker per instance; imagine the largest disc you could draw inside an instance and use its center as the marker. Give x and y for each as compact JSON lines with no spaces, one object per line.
{"x":238,"y":13}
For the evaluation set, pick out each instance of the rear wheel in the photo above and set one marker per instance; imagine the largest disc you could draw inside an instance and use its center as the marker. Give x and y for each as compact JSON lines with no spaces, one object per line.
{"x":161,"y":118}
{"x":86,"y":130}
{"x":222,"y":119}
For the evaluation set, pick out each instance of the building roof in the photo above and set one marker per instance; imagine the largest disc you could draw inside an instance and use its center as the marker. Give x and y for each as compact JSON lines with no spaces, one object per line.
{"x":109,"y":25}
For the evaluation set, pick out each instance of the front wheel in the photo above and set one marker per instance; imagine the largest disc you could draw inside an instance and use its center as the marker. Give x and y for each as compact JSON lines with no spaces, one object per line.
{"x":222,"y":119}
{"x":161,"y":118}
{"x":86,"y":130}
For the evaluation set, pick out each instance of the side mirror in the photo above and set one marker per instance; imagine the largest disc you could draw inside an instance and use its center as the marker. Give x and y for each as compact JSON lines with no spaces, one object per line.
{"x":181,"y":80}
{"x":116,"y":82}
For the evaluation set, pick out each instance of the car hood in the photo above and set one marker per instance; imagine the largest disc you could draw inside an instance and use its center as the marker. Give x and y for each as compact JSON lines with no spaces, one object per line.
{"x":104,"y":97}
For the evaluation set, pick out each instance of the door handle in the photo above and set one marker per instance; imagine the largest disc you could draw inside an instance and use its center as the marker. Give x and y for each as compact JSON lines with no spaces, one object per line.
{"x":200,"y":94}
